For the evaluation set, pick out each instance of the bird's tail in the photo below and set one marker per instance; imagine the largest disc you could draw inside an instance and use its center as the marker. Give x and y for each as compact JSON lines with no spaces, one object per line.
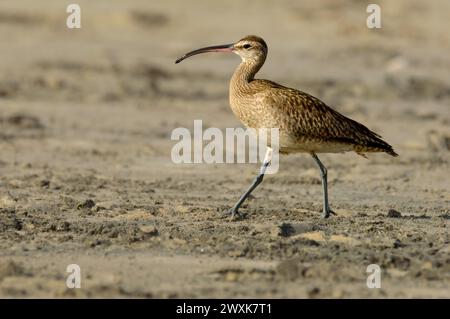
{"x":391,"y":152}
{"x":377,"y":145}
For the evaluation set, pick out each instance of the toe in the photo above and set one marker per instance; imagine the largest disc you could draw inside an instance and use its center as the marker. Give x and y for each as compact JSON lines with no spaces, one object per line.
{"x":327,"y":213}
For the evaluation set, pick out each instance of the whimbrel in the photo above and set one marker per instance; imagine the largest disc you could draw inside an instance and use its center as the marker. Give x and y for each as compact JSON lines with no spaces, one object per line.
{"x":305,"y":123}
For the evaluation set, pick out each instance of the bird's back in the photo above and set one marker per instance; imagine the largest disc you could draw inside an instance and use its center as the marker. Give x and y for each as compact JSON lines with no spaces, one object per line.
{"x":306,"y":123}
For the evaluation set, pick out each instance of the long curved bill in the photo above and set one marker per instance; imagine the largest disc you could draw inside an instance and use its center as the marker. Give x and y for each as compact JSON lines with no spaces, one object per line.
{"x":214,"y":48}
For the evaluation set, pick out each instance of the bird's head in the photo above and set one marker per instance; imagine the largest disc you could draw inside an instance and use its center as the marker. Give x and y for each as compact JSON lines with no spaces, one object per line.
{"x":249,"y":48}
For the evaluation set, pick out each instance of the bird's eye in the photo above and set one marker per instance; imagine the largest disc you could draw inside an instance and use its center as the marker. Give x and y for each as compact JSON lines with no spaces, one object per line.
{"x":246,"y":46}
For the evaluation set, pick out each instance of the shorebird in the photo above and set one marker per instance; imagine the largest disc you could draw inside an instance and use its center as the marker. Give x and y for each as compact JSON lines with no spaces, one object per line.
{"x":305,"y":123}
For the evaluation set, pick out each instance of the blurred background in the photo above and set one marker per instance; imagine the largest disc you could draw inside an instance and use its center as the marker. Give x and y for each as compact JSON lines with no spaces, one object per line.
{"x":85,"y":171}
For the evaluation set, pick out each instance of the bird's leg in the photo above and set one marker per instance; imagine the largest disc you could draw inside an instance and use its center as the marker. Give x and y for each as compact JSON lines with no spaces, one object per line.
{"x":235,"y":210}
{"x":323,"y":173}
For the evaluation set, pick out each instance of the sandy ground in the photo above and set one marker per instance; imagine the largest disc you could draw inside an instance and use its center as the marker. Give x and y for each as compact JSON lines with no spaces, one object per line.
{"x":86,"y":175}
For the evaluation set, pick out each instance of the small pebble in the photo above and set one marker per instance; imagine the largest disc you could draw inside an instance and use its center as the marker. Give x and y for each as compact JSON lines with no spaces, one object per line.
{"x":398,"y":244}
{"x":394,"y":214}
{"x":149,"y":230}
{"x":45,"y":183}
{"x":86,"y":204}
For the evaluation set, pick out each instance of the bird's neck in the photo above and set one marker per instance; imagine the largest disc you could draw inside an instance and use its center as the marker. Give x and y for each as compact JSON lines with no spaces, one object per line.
{"x":246,"y":71}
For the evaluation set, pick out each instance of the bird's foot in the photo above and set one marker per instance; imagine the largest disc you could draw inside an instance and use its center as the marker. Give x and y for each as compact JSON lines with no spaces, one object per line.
{"x":327,"y":213}
{"x":234,"y":214}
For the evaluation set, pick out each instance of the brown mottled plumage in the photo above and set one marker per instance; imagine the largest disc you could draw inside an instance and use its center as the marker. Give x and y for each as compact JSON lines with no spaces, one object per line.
{"x":305,"y":123}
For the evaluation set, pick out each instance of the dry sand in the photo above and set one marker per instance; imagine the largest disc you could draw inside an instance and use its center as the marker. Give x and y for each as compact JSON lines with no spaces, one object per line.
{"x":86,"y":176}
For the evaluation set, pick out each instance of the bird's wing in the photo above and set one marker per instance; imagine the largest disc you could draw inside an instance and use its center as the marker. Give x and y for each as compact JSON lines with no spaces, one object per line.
{"x":306,"y":116}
